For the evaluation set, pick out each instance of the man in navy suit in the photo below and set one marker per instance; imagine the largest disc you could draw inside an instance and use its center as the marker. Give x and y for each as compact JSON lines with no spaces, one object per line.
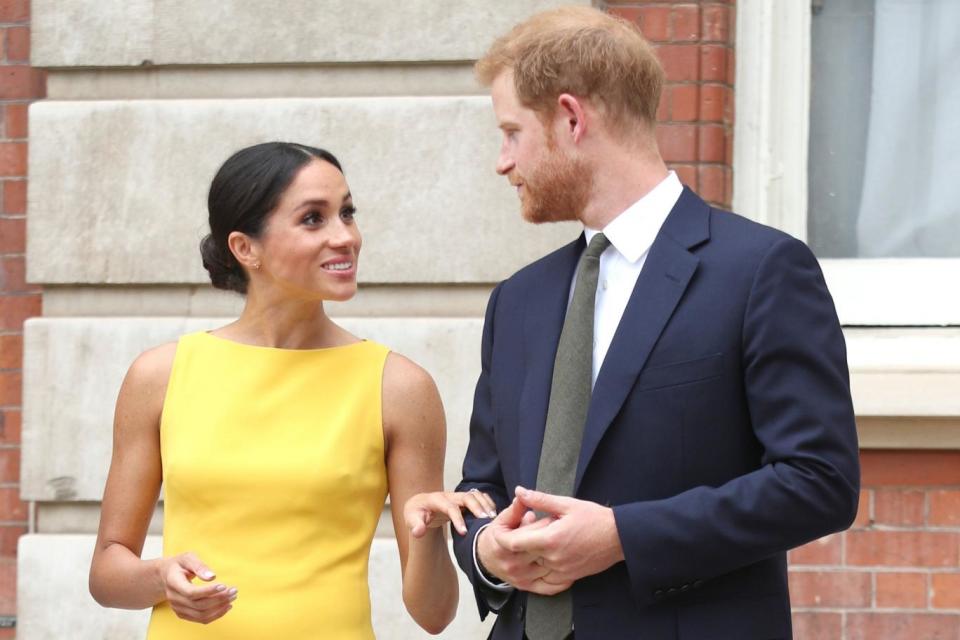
{"x":719,"y":431}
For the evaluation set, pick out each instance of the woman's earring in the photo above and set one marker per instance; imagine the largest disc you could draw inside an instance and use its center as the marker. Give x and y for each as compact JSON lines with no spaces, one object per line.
{"x":256,"y":265}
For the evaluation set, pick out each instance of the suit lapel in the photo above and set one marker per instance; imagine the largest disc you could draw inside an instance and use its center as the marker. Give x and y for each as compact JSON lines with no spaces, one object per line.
{"x":662,"y":282}
{"x":543,"y":321}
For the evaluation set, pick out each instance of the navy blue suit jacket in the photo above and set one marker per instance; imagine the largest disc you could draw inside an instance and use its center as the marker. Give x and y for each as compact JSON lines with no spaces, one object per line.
{"x":720,"y":430}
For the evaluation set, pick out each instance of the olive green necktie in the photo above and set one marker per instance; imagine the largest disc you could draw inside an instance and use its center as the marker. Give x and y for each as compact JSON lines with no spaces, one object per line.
{"x":551,"y":617}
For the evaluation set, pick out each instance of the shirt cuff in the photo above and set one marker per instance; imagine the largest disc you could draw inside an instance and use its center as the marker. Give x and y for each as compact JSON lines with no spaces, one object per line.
{"x":497,"y":594}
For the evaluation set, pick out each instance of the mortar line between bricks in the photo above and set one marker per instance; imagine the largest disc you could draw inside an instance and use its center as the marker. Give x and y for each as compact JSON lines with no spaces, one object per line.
{"x":833,"y":568}
{"x":912,"y":528}
{"x":843,"y":549}
{"x":885,"y":611}
{"x":912,"y":569}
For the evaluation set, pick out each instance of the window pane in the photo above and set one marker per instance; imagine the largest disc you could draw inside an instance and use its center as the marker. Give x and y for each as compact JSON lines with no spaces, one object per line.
{"x":884,"y":131}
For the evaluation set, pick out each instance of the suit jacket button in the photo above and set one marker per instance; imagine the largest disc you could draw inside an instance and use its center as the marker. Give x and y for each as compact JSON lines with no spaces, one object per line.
{"x":658,"y":593}
{"x":698,"y":583}
{"x":685,"y":587}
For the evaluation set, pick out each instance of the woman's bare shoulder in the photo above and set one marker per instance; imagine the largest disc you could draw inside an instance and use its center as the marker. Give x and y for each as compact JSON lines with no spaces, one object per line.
{"x":150,"y":371}
{"x":410,"y":397}
{"x":404,"y":377}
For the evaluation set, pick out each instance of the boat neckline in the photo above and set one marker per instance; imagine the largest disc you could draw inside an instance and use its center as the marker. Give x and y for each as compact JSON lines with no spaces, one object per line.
{"x":282,"y":349}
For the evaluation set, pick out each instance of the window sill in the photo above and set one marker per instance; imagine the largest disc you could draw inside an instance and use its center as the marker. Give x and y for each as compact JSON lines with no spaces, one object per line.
{"x":906,"y":387}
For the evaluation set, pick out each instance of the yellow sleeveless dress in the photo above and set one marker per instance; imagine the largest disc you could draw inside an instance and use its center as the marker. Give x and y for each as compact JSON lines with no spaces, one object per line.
{"x":274,"y":476}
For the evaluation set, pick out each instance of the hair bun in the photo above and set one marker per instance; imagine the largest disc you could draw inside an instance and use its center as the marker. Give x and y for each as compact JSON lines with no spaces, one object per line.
{"x":225,"y":272}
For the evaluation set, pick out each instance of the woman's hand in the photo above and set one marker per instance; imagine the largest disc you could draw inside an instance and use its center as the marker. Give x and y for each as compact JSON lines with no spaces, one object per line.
{"x":430,"y":510}
{"x":196,"y":603}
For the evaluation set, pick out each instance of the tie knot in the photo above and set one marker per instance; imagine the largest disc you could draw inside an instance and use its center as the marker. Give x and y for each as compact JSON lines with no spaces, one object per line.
{"x":597,"y":246}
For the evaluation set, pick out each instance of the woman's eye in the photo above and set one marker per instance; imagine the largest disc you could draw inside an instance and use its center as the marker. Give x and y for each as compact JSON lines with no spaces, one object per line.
{"x":349,"y":213}
{"x":312,"y":218}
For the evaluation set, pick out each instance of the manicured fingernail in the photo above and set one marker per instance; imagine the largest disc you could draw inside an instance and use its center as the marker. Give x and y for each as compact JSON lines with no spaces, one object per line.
{"x":206,"y":574}
{"x":492,"y":514}
{"x":520,"y":490}
{"x":233,"y":591}
{"x":220,"y":587}
{"x":232,"y":598}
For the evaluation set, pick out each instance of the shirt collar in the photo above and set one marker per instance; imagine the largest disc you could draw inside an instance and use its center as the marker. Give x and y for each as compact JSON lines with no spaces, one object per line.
{"x":633,"y":231}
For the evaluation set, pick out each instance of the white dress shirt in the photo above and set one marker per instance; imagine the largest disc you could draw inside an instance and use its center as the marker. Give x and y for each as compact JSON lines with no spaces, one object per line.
{"x":631,"y":234}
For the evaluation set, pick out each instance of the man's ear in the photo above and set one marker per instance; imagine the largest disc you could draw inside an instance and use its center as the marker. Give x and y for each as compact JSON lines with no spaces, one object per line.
{"x":244,"y":249}
{"x":570,"y":109}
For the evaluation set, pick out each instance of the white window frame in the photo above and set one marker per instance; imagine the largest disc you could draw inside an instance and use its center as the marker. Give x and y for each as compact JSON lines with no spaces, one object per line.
{"x":770,"y":174}
{"x":904,"y":369}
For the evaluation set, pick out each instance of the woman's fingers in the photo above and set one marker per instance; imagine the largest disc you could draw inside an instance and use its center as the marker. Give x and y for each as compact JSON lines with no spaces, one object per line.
{"x":418,"y":522}
{"x":456,"y":518}
{"x":198,"y":592}
{"x":200,"y":601}
{"x":490,"y":504}
{"x":431,"y":510}
{"x":473,"y":500}
{"x":204,"y":610}
{"x":194,"y":565}
{"x":202,"y":616}
{"x":215,"y":615}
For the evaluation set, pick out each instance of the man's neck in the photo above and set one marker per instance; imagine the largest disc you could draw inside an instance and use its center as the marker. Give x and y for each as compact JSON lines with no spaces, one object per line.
{"x":622,"y":176}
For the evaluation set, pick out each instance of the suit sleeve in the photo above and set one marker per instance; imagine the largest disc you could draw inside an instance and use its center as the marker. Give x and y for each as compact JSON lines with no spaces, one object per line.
{"x":481,"y":467}
{"x":798,"y":395}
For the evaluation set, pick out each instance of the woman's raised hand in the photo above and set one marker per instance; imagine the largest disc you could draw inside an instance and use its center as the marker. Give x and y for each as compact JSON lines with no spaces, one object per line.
{"x":201,"y":603}
{"x":430,"y":510}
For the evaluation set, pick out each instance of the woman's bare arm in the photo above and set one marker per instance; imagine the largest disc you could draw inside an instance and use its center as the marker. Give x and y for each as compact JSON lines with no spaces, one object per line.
{"x":416,"y":440}
{"x":118,"y":576}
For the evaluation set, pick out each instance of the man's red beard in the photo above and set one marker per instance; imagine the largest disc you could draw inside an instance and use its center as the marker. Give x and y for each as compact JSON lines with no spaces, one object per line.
{"x":557,"y":190}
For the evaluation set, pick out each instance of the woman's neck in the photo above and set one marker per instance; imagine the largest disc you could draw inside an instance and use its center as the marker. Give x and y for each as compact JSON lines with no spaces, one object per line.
{"x":286,"y":324}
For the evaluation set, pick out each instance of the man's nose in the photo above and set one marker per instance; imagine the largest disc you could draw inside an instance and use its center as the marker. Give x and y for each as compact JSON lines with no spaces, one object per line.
{"x":505,"y":164}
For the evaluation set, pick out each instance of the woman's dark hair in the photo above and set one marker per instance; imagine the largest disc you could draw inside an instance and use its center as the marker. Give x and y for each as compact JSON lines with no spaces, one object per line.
{"x":243,"y":193}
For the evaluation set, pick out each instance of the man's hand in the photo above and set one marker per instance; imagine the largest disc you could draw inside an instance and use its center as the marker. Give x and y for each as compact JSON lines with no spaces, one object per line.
{"x":517,"y":568}
{"x":577,"y":538}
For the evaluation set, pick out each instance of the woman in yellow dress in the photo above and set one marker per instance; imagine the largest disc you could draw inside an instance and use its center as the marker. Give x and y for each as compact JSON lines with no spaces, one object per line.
{"x":277,"y":437}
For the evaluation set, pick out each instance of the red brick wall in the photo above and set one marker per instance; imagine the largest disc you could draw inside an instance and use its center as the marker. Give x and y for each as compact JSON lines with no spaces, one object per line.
{"x":695,"y":42}
{"x":895,"y":574}
{"x":19,"y":85}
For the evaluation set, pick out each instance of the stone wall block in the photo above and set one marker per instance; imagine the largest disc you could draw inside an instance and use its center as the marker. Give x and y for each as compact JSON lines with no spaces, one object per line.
{"x":83,"y":33}
{"x":430,"y":206}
